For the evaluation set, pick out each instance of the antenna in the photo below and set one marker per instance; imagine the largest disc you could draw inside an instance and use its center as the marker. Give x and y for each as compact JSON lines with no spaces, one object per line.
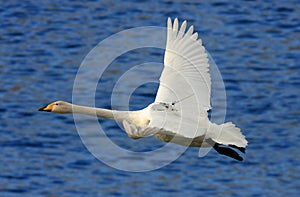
{"x":173,"y":103}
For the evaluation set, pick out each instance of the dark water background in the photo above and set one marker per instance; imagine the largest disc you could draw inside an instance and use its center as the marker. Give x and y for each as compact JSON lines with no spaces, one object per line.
{"x":256,"y":45}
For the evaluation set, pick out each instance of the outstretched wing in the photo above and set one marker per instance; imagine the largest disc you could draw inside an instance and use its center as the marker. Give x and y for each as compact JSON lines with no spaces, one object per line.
{"x":183,"y":97}
{"x":184,"y":83}
{"x":185,"y":77}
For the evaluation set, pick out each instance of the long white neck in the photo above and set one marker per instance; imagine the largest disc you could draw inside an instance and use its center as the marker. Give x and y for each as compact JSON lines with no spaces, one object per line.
{"x":101,"y":113}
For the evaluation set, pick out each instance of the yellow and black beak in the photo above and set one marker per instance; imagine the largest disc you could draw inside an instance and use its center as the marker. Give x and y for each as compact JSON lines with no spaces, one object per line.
{"x":47,"y":108}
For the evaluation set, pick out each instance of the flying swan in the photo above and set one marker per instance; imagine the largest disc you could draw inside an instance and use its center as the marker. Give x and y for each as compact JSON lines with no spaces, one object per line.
{"x":179,"y":113}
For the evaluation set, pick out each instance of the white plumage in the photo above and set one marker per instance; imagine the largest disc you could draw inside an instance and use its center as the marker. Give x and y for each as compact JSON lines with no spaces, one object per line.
{"x":179,"y":113}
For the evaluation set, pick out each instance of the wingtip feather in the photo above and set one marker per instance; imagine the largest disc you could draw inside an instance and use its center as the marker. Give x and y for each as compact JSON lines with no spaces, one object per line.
{"x":195,"y":36}
{"x":183,"y":27}
{"x":169,"y":23}
{"x":175,"y":25}
{"x":190,"y":31}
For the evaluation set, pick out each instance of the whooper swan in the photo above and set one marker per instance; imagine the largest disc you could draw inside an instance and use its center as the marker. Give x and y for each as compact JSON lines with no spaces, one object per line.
{"x":179,"y":112}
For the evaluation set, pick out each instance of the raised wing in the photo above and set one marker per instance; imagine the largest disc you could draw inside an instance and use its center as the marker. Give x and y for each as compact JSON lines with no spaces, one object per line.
{"x":185,"y":77}
{"x":185,"y":84}
{"x":183,"y":97}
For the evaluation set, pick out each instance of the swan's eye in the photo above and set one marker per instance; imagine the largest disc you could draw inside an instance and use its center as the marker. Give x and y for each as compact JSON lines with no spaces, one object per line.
{"x":56,"y":103}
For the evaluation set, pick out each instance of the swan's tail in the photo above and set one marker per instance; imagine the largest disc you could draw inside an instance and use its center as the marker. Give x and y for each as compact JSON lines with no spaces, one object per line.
{"x":229,"y":135}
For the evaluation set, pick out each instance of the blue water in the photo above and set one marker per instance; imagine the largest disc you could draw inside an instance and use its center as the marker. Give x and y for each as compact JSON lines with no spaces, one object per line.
{"x":256,"y":45}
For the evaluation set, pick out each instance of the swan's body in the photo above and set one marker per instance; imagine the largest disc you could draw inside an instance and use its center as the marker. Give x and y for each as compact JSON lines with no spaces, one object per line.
{"x":179,"y":113}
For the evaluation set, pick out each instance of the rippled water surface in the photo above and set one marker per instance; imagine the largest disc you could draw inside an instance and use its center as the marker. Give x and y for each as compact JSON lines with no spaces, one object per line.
{"x":255,"y":44}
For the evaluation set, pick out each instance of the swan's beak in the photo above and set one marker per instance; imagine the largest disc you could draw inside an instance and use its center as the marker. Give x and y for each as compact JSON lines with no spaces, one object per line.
{"x":47,"y":108}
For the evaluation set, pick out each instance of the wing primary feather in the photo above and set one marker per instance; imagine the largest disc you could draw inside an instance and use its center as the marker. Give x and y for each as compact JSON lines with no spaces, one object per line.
{"x":175,"y":25}
{"x":183,"y":27}
{"x":190,"y":31}
{"x":182,"y":30}
{"x":175,"y":28}
{"x":200,"y":41}
{"x":169,"y":30}
{"x":195,"y":36}
{"x":169,"y":23}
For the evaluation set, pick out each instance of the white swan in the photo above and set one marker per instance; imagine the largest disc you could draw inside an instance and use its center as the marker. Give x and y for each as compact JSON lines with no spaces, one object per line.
{"x":179,"y":113}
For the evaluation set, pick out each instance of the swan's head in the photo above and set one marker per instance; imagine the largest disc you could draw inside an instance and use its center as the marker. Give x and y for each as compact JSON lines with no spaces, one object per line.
{"x":60,"y":107}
